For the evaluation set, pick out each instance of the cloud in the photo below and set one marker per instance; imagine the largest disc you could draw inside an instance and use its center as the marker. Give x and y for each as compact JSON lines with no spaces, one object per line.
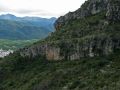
{"x":35,"y":12}
{"x":3,"y":9}
{"x":43,"y":8}
{"x":26,"y":12}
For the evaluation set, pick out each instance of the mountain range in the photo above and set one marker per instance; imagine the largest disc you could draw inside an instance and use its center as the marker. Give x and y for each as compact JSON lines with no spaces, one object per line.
{"x":82,"y":54}
{"x":22,"y":28}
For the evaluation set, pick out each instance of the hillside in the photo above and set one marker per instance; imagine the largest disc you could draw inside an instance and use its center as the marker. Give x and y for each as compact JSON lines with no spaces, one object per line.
{"x":98,"y":73}
{"x":12,"y":27}
{"x":82,"y":54}
{"x":89,"y":35}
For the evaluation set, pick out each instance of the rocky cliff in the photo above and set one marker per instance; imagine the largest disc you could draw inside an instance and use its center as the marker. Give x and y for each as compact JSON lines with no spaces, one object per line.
{"x":92,"y":30}
{"x":113,"y":11}
{"x":92,"y":7}
{"x":95,"y":46}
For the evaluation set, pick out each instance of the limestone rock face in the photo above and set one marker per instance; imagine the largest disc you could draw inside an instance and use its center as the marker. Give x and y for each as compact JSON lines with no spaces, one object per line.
{"x":73,"y":51}
{"x":113,"y":11}
{"x":49,"y":52}
{"x":90,"y":7}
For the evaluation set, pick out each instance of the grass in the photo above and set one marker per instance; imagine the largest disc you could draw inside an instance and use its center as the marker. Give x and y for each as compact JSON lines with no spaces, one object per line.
{"x":15,"y":44}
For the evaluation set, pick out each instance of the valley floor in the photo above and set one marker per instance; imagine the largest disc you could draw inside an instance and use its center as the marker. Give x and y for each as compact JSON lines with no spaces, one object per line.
{"x":7,"y":44}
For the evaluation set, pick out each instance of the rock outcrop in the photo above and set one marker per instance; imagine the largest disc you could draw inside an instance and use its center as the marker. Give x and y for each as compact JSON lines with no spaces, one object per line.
{"x":113,"y":11}
{"x":47,"y":51}
{"x":89,"y":8}
{"x":92,"y":7}
{"x":4,"y":53}
{"x":96,"y":46}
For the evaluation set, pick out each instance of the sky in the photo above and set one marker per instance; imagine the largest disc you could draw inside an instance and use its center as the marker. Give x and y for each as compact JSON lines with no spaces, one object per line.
{"x":41,"y":8}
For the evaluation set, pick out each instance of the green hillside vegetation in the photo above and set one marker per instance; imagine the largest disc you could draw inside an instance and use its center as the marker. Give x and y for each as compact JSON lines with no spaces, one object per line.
{"x":6,"y":44}
{"x":82,"y":31}
{"x":85,"y":29}
{"x":96,"y":73}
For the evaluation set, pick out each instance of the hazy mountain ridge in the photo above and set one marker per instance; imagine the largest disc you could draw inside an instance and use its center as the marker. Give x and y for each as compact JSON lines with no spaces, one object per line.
{"x":12,"y":27}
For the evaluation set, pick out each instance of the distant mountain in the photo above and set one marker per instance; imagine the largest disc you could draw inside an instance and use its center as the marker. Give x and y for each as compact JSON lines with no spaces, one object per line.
{"x":8,"y":16}
{"x":12,"y":27}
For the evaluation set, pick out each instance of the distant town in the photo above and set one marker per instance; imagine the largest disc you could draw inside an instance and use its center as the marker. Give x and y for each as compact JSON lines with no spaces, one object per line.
{"x":4,"y":53}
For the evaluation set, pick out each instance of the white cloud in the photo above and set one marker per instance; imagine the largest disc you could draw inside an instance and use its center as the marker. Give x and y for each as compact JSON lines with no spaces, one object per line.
{"x":44,"y":8}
